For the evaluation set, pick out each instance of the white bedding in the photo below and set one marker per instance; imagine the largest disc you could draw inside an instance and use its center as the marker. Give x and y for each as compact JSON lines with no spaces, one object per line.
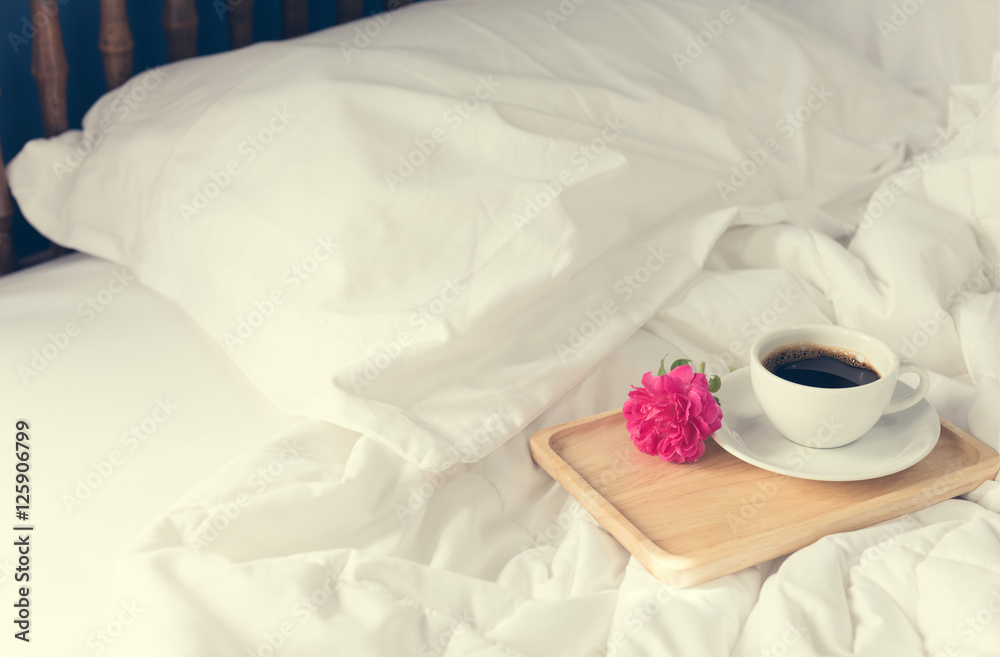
{"x":325,"y":540}
{"x":354,"y":268}
{"x":135,"y":378}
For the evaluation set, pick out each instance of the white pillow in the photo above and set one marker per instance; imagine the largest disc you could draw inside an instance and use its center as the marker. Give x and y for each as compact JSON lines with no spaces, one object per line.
{"x":927,"y":46}
{"x":429,"y":225}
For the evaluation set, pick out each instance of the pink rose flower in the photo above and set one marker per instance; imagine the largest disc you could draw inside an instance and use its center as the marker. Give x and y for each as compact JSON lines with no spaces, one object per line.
{"x":671,"y":415}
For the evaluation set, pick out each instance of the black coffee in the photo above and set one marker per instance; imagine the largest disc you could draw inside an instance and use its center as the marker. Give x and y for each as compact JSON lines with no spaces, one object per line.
{"x":819,"y":367}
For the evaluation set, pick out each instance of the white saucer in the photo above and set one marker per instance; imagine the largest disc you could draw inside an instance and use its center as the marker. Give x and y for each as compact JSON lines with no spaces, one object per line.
{"x":898,"y":440}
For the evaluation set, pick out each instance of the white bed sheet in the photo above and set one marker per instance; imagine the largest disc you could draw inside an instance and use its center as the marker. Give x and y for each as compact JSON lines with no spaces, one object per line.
{"x":357,"y":550}
{"x":353,"y":549}
{"x":345,"y":544}
{"x":295,"y":538}
{"x":138,"y":361}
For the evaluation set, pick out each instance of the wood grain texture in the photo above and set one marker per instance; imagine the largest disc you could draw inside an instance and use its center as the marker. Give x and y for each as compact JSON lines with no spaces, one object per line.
{"x":115,"y":43}
{"x":294,"y":18}
{"x":48,"y":66}
{"x":180,"y":22}
{"x":691,"y":523}
{"x":240,"y":23}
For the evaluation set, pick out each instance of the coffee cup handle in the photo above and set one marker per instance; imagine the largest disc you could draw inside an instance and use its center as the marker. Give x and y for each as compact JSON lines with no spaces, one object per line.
{"x":904,"y":402}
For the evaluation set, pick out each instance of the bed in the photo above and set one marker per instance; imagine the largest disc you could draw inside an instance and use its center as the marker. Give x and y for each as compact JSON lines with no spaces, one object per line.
{"x":324,"y":290}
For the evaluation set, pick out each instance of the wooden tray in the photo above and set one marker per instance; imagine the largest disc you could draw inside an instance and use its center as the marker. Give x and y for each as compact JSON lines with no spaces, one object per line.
{"x":691,"y":523}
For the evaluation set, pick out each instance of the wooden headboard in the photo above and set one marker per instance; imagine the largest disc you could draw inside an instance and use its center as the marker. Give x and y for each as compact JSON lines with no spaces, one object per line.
{"x":180,"y":24}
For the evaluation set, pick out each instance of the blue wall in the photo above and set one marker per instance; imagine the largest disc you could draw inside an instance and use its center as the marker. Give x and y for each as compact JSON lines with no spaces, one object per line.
{"x":20,"y":117}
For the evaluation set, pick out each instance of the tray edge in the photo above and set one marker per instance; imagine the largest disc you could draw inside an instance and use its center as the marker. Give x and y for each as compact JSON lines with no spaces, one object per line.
{"x":662,"y":564}
{"x":681,"y":571}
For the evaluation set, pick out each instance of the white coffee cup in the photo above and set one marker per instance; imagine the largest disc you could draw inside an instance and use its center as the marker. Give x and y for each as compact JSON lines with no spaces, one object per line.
{"x":830,"y":417}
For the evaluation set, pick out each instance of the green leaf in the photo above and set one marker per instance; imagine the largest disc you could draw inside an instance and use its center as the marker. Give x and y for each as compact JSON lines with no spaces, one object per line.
{"x":680,"y":361}
{"x":662,"y":371}
{"x":714,"y":384}
{"x":701,"y":370}
{"x":717,"y":401}
{"x":732,"y":369}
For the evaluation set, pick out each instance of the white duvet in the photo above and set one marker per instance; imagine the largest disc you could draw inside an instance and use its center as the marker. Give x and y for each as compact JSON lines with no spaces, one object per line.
{"x":372,"y":541}
{"x":325,"y":542}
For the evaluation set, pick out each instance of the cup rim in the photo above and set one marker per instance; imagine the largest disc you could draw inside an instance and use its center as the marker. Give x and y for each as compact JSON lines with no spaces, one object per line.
{"x":756,"y":364}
